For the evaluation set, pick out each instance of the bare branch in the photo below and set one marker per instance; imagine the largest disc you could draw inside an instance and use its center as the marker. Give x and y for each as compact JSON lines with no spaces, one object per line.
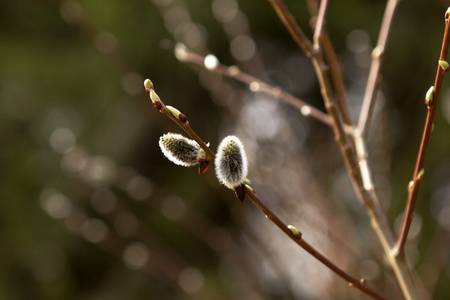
{"x":320,"y":23}
{"x":291,"y":25}
{"x":258,"y":85}
{"x":334,"y":64}
{"x":431,"y":100}
{"x":368,"y":197}
{"x":373,"y":82}
{"x":294,"y":235}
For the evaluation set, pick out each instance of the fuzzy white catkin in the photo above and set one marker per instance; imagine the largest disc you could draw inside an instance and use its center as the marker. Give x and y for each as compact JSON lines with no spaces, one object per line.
{"x":179,"y":149}
{"x":231,"y":162}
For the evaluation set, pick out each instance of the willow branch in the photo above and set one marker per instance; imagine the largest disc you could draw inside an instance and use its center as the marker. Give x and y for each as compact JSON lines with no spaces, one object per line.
{"x":291,"y":25}
{"x":374,"y":79}
{"x":258,"y":85}
{"x":320,"y":23}
{"x":367,"y":196}
{"x":181,"y":120}
{"x":334,"y":64}
{"x":296,"y":236}
{"x":431,"y":102}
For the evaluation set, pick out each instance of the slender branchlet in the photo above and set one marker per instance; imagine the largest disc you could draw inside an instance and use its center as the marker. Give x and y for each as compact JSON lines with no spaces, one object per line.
{"x":374,"y":79}
{"x":181,"y":120}
{"x":332,"y":59}
{"x":232,"y":148}
{"x":320,"y":23}
{"x":211,"y":63}
{"x":444,"y":65}
{"x":431,"y":99}
{"x":356,"y":170}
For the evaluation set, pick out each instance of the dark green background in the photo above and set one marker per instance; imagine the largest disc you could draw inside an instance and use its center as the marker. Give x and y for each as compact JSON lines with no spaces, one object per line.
{"x":52,"y":76}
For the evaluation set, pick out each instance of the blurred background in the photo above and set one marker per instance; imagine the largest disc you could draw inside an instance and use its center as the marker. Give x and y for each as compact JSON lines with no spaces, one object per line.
{"x":91,"y":209}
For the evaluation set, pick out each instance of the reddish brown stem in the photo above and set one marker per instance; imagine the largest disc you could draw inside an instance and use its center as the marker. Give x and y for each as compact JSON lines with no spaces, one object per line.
{"x":291,"y":25}
{"x":363,"y":187}
{"x":431,"y":106}
{"x":272,"y":217}
{"x":332,"y":61}
{"x":297,"y":238}
{"x":259,"y":86}
{"x":320,"y":23}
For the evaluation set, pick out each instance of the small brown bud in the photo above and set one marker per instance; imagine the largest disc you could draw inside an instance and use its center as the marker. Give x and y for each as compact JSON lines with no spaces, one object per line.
{"x":182,"y":117}
{"x":203,"y":165}
{"x":240,"y":192}
{"x":157,"y":105}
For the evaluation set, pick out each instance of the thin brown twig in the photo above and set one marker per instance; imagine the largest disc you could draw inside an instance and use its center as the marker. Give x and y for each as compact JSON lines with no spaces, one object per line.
{"x":363,"y":188}
{"x":427,"y":131}
{"x":374,"y":79}
{"x":334,"y":64}
{"x":291,"y":25}
{"x":320,"y":22}
{"x":258,"y":85}
{"x":337,"y":78}
{"x":296,"y":237}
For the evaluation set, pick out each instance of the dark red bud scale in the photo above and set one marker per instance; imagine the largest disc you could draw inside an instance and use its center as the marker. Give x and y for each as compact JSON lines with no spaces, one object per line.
{"x":203,"y":165}
{"x":182,"y":117}
{"x":240,"y":192}
{"x":157,"y":105}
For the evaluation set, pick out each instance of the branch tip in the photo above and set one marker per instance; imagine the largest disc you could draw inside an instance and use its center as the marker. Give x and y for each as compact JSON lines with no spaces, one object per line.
{"x":148,"y":84}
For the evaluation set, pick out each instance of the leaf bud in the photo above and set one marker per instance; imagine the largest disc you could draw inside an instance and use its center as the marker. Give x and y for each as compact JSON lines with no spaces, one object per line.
{"x":148,"y":84}
{"x":178,"y":114}
{"x":410,"y":185}
{"x":157,"y":103}
{"x":294,"y":231}
{"x":429,"y":96}
{"x":420,"y":174}
{"x":444,"y":65}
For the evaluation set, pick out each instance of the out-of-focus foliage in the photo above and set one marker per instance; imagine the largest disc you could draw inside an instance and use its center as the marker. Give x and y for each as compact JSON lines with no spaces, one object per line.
{"x":90,"y":208}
